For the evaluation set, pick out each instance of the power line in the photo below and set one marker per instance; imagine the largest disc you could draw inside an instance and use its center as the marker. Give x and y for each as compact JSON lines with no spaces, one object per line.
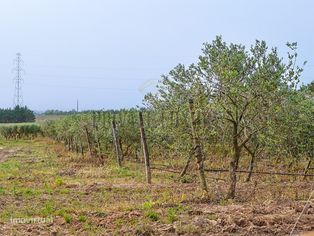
{"x":113,"y":68}
{"x":102,"y":78}
{"x":80,"y":87}
{"x":18,"y":96}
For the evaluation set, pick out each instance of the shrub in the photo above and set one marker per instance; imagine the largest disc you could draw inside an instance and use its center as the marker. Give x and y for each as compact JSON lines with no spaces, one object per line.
{"x":19,"y":131}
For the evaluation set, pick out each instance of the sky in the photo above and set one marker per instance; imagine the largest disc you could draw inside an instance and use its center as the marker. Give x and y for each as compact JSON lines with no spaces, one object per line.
{"x":110,"y":53}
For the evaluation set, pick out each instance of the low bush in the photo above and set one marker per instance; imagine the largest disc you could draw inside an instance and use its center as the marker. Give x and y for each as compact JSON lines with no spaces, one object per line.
{"x":18,"y":131}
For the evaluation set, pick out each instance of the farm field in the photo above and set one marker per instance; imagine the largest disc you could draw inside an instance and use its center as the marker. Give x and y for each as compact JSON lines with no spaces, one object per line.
{"x":157,"y":118}
{"x":39,"y":178}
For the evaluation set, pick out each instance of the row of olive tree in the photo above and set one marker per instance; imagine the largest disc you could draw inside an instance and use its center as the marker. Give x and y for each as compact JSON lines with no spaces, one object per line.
{"x":234,"y":100}
{"x":248,"y":96}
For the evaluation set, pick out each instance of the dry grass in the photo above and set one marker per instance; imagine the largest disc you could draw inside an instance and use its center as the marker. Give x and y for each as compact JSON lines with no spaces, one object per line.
{"x":41,"y":179}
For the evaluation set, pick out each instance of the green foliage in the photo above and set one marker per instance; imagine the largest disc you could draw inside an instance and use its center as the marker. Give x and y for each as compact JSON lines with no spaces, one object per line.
{"x":16,"y":115}
{"x":64,"y":213}
{"x":149,"y":211}
{"x":2,"y":191}
{"x":152,"y":215}
{"x":67,"y":218}
{"x":293,"y":134}
{"x":123,"y":172}
{"x":186,"y":179}
{"x":18,"y":131}
{"x":58,"y":112}
{"x":59,"y":181}
{"x":245,"y":99}
{"x":9,"y":166}
{"x":172,"y":215}
{"x":82,"y":218}
{"x":48,"y":209}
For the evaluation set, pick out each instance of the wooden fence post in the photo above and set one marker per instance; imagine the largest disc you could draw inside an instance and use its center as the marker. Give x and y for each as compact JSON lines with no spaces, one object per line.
{"x":89,"y":141}
{"x":307,"y":168}
{"x":145,"y":150}
{"x":185,"y":169}
{"x":116,"y":143}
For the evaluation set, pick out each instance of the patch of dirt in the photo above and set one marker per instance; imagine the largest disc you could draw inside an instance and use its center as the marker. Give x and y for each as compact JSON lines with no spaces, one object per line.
{"x":6,"y":153}
{"x":68,"y":172}
{"x":265,"y":219}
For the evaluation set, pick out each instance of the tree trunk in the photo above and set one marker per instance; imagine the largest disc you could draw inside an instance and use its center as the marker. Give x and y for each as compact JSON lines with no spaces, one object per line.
{"x":183,"y":172}
{"x":145,"y":150}
{"x":121,"y":149}
{"x":89,"y":142}
{"x":307,"y":168}
{"x":252,"y":161}
{"x":197,"y":148}
{"x":251,"y":166}
{"x":234,"y":163}
{"x":291,"y":164}
{"x":76,"y":148}
{"x":177,"y":119}
{"x":96,"y":137}
{"x":116,"y":143}
{"x":82,"y":149}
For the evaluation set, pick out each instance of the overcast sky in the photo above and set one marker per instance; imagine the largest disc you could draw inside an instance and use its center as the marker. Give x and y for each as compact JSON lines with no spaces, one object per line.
{"x":109,"y":53}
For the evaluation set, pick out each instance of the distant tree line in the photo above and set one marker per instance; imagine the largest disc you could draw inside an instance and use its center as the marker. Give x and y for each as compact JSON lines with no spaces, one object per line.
{"x":16,"y":115}
{"x":72,"y":112}
{"x":58,"y":112}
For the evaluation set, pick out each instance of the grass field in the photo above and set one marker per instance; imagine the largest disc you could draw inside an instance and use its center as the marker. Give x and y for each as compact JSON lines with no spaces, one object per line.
{"x":17,"y":124}
{"x":43,"y":118}
{"x":39,"y":179}
{"x":39,"y":119}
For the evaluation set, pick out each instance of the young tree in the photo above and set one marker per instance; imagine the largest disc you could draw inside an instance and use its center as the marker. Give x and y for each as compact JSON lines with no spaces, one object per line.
{"x":247,"y":88}
{"x":294,"y":136}
{"x":175,"y":93}
{"x":242,"y":89}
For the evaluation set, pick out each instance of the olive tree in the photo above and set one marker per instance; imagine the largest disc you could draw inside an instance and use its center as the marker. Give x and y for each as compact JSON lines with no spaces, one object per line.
{"x":183,"y":92}
{"x":247,"y":88}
